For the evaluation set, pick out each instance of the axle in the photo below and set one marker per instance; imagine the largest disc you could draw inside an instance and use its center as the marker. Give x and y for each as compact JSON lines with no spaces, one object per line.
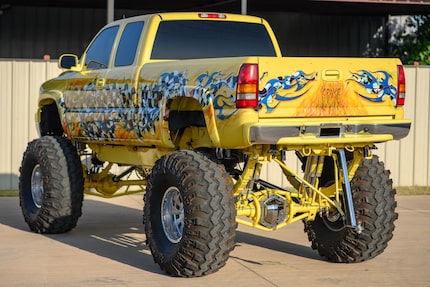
{"x":268,"y":207}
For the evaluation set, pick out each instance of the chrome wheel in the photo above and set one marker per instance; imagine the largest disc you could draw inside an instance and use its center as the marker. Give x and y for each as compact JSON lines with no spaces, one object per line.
{"x":172,"y":214}
{"x":37,"y":186}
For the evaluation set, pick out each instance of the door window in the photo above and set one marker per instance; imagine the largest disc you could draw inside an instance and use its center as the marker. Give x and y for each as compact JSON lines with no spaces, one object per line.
{"x":127,"y":47}
{"x":99,"y":52}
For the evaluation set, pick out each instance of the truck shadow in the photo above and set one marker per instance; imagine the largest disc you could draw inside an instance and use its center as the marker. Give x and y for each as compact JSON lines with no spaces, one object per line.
{"x":107,"y":230}
{"x":116,"y":232}
{"x":275,"y":245}
{"x":111,"y":231}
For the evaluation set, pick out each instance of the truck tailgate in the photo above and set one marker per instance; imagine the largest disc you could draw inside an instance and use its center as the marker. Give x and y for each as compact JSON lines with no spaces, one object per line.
{"x":327,"y":87}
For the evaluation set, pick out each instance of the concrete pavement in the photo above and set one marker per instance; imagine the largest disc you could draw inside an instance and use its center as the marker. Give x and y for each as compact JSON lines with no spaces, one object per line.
{"x":107,"y":249}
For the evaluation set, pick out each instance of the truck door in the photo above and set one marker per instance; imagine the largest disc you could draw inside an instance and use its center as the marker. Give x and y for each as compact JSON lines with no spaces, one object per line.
{"x":99,"y":101}
{"x":121,"y":110}
{"x":85,"y":95}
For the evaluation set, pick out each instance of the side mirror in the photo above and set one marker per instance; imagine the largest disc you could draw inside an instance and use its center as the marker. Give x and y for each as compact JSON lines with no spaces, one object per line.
{"x":67,"y":61}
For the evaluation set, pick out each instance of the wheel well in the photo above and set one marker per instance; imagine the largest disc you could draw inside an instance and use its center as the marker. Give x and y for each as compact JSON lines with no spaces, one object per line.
{"x":185,"y":112}
{"x":182,"y":119}
{"x":187,"y":125}
{"x":50,"y":123}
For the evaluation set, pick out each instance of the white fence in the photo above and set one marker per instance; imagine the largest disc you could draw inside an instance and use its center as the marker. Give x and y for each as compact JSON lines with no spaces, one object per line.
{"x":408,"y":159}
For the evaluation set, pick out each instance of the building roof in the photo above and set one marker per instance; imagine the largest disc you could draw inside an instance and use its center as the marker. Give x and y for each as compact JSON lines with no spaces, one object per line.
{"x":363,"y":7}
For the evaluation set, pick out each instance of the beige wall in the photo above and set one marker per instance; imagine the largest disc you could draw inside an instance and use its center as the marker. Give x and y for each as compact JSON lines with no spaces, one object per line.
{"x":408,"y":159}
{"x":19,"y":87}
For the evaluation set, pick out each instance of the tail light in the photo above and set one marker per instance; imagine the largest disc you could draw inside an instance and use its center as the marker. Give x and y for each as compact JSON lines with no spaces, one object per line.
{"x":247,"y":86}
{"x":212,"y":15}
{"x":401,"y":86}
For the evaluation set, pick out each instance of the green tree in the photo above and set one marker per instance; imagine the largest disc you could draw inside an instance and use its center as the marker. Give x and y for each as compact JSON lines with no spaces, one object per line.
{"x":412,"y":40}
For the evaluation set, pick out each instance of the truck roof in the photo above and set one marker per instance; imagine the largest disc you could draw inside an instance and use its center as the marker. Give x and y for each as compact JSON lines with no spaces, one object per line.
{"x":192,"y":16}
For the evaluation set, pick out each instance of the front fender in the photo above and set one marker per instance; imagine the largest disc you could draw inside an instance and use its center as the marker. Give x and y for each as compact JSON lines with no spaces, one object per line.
{"x":49,"y":98}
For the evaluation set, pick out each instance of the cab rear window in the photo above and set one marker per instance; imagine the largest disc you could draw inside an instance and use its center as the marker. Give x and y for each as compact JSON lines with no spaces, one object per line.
{"x":193,"y":39}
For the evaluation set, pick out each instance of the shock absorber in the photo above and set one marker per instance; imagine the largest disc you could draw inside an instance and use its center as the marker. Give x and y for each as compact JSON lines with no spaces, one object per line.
{"x":348,"y":194}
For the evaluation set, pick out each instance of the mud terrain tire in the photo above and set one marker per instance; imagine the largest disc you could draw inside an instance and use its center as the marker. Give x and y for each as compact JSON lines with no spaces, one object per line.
{"x":189,"y":214}
{"x":51,"y":185}
{"x":374,"y":203}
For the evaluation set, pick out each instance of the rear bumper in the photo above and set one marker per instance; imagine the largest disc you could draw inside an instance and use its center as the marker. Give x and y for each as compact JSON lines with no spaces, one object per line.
{"x":336,"y":133}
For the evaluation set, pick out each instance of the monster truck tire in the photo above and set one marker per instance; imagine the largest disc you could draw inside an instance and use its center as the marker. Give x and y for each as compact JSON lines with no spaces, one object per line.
{"x":189,"y":214}
{"x":374,"y":204}
{"x":51,"y":185}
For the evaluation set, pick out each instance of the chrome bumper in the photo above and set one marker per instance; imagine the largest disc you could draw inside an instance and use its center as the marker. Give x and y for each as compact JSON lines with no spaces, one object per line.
{"x":266,"y":134}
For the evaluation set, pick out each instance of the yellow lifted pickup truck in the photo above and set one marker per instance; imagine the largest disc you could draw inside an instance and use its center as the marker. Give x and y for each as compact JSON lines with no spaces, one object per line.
{"x":187,"y":108}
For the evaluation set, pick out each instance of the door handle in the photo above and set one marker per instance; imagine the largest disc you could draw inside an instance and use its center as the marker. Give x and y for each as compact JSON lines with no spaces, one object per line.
{"x":331,"y":75}
{"x":100,"y":82}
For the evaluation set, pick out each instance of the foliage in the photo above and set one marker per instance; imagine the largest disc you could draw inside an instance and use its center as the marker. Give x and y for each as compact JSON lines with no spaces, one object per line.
{"x":412,"y":40}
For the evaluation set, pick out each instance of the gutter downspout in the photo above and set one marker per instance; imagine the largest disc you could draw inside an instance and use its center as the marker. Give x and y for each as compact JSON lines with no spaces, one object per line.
{"x":110,"y":10}
{"x":243,"y":7}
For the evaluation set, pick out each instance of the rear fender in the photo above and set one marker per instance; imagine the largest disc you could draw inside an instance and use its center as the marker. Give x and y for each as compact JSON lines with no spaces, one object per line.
{"x":187,"y":112}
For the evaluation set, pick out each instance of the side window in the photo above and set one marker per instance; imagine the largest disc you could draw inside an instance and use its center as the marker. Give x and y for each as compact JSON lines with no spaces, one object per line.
{"x":128,"y":44}
{"x":98,"y":53}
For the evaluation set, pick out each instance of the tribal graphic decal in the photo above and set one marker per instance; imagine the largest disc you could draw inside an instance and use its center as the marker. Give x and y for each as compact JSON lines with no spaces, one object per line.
{"x":118,"y":111}
{"x":213,"y":88}
{"x":208,"y":88}
{"x":328,"y":98}
{"x":375,"y":83}
{"x":101,"y":114}
{"x":285,"y":88}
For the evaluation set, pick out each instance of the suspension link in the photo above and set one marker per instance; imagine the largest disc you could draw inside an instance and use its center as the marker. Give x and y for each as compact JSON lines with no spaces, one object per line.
{"x":348,"y":193}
